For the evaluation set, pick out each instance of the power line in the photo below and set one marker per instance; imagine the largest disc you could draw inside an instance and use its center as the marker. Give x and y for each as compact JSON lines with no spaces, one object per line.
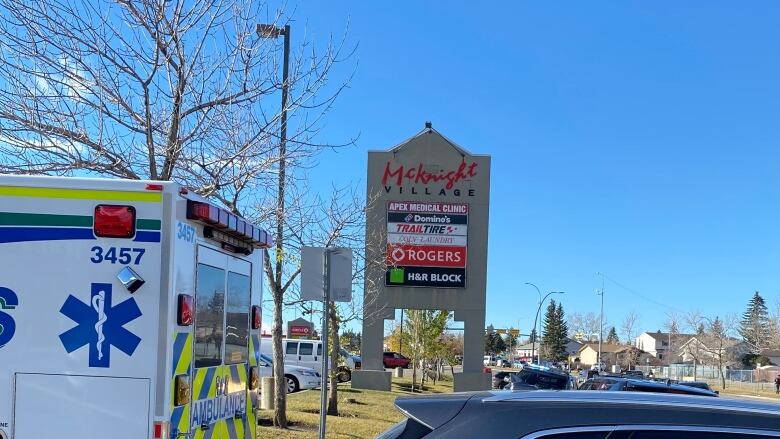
{"x":641,"y":296}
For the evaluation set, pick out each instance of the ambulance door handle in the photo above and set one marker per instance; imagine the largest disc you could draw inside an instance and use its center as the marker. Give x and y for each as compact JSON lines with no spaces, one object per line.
{"x":299,"y":358}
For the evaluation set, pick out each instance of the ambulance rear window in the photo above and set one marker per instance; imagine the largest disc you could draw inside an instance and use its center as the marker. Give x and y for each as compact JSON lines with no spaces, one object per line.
{"x":209,"y":316}
{"x":237,"y":321}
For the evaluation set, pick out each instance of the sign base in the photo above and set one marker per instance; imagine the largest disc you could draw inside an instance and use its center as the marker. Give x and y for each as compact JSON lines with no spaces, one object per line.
{"x":371,"y":380}
{"x":471,"y":381}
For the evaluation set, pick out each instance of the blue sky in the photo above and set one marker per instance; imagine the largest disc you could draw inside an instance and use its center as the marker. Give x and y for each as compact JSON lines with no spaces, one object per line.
{"x":634,"y":138}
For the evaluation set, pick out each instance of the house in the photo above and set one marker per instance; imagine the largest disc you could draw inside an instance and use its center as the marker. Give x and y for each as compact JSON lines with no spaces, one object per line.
{"x":524,"y":352}
{"x":573,"y":347}
{"x":661,"y":344}
{"x":703,"y":350}
{"x":773,"y":355}
{"x":589,"y":353}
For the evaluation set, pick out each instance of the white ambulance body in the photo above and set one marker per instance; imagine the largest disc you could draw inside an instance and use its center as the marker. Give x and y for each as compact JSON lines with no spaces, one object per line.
{"x":128,"y":310}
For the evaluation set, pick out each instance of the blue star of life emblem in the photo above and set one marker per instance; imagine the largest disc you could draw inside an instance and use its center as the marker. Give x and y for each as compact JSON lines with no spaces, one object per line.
{"x":100,"y":325}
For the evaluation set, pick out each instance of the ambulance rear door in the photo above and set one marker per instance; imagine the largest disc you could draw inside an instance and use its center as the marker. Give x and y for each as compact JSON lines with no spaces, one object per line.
{"x":221,"y":345}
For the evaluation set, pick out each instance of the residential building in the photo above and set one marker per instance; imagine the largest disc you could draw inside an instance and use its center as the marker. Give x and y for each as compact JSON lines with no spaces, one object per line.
{"x":661,"y":345}
{"x":589,"y":353}
{"x":773,"y":355}
{"x":625,"y":356}
{"x":523,"y":352}
{"x":701,"y":350}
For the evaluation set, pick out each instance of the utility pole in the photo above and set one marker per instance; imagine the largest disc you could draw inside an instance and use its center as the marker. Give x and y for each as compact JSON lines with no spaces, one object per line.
{"x":601,"y":318}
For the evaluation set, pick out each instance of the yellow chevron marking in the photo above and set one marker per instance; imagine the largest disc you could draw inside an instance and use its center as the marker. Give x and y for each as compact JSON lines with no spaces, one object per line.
{"x":80,"y":194}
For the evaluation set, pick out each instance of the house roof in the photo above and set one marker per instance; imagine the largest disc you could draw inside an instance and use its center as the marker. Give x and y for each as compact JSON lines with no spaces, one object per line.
{"x":606,"y":347}
{"x":771,"y":352}
{"x":664,"y":336}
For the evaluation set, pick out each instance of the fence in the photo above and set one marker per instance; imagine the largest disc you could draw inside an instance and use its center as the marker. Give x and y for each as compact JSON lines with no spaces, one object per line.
{"x":749,"y":380}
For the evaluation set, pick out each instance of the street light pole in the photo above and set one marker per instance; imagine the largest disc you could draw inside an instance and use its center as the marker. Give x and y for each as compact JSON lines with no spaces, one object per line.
{"x":536,"y":335}
{"x":272,"y":32}
{"x":538,"y":311}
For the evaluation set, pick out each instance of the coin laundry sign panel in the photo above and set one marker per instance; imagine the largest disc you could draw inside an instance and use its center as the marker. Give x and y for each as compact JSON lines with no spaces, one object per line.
{"x":426,"y":244}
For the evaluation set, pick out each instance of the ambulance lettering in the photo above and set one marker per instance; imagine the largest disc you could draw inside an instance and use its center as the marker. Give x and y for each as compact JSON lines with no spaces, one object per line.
{"x":8,"y":300}
{"x":209,"y":411}
{"x":100,"y":325}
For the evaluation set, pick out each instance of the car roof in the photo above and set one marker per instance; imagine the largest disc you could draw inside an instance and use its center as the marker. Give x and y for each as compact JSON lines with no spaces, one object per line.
{"x":638,"y":398}
{"x":649,"y":385}
{"x":467,"y":413}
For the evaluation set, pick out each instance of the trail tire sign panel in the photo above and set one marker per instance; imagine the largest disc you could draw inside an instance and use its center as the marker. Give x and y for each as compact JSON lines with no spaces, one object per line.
{"x":426,"y":244}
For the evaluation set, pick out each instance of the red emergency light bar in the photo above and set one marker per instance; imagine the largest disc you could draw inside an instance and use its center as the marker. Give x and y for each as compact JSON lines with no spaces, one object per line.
{"x":228,"y":224}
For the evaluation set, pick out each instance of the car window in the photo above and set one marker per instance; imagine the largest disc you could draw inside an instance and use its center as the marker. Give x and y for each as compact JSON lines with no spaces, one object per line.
{"x":576,"y":435}
{"x":292,"y":348}
{"x":680,"y":433}
{"x":209,"y":316}
{"x":237,"y":319}
{"x":305,"y":349}
{"x":319,"y":350}
{"x":388,"y":354}
{"x":265,"y":359}
{"x":541,"y":380}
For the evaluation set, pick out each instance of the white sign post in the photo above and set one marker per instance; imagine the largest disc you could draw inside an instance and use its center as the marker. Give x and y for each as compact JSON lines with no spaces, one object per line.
{"x":326,"y":275}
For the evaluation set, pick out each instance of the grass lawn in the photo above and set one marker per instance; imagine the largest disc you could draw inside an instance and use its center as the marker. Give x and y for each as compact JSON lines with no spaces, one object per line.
{"x":363,"y":413}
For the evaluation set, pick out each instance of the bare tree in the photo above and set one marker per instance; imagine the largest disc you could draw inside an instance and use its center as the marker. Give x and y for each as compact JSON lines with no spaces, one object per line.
{"x":719,"y":342}
{"x":183,"y":91}
{"x":628,"y":327}
{"x":335,"y":221}
{"x":672,"y":326}
{"x":695,"y":348}
{"x":586,"y":325}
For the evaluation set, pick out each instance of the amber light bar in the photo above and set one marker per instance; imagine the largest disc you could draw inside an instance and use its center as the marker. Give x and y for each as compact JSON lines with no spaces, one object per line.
{"x":228,"y":224}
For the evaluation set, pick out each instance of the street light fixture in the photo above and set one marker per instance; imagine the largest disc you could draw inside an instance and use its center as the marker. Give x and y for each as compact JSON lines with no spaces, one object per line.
{"x":538,"y":310}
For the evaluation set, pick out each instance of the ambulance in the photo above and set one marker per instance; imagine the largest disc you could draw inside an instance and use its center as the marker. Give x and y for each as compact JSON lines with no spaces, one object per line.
{"x":128,"y":310}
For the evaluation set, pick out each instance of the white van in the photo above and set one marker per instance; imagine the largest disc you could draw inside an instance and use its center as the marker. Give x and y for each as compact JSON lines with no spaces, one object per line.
{"x":308,"y":353}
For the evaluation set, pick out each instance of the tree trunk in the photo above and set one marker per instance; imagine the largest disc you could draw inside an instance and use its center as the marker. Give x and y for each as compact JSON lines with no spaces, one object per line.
{"x":280,"y":398}
{"x":333,"y":391}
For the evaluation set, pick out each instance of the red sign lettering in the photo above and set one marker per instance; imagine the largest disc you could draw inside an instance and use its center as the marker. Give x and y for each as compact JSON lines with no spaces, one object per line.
{"x":426,"y":256}
{"x":418,"y":175}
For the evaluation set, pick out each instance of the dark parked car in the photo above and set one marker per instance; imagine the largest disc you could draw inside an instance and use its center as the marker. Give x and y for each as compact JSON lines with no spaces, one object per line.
{"x":633,"y":385}
{"x":583,"y":415}
{"x":633,"y":374}
{"x":394,"y":359}
{"x":533,"y":377}
{"x":499,"y":381}
{"x":698,"y":385}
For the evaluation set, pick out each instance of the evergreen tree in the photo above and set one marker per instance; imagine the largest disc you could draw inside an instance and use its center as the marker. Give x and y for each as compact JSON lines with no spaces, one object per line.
{"x":700,"y":330}
{"x":554,"y":335}
{"x":754,"y":327}
{"x":549,"y":330}
{"x":613,"y":337}
{"x":563,"y":335}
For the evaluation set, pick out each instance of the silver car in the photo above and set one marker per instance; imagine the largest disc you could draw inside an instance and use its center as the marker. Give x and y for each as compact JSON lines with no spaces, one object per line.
{"x":583,"y":415}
